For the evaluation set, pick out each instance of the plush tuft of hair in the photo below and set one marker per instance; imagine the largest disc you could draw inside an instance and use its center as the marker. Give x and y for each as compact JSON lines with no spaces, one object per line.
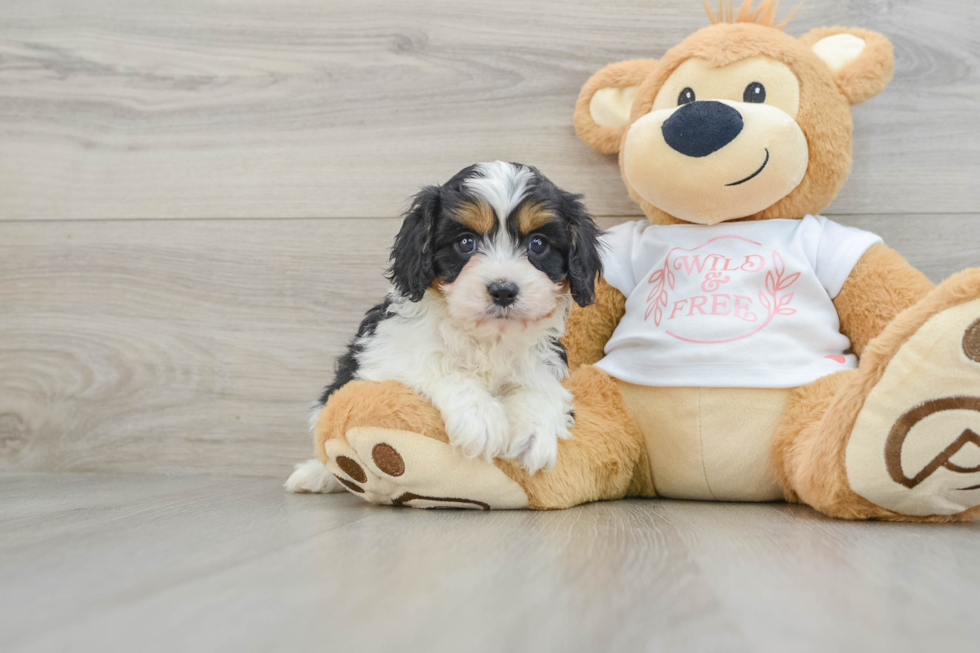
{"x":764,"y":14}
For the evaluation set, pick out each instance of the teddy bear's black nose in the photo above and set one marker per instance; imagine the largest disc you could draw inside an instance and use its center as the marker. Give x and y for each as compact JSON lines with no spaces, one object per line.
{"x":701,"y":128}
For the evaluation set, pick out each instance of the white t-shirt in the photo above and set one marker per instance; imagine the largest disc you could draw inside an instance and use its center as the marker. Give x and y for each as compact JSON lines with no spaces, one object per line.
{"x":740,"y":305}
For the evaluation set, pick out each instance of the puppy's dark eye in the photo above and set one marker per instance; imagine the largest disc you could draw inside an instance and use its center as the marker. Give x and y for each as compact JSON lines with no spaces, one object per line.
{"x":686,"y":96}
{"x":754,"y":92}
{"x":466,"y":245}
{"x":538,"y":245}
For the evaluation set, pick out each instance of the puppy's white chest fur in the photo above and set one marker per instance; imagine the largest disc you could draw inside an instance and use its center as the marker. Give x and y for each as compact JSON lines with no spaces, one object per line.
{"x":497,"y":384}
{"x":419,"y":341}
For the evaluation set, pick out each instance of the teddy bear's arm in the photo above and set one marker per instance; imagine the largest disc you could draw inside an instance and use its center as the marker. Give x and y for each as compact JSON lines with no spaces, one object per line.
{"x":589,"y":328}
{"x":880,"y":286}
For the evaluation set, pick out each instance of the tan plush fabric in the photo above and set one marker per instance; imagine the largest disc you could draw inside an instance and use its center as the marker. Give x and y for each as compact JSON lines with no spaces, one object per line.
{"x":801,"y":436}
{"x":621,"y":75}
{"x":770,"y":141}
{"x":709,"y":443}
{"x":610,"y":106}
{"x":588,"y":329}
{"x":892,"y":467}
{"x":781,"y":84}
{"x":383,"y":405}
{"x":605,"y":457}
{"x":880,"y":286}
{"x":763,"y":14}
{"x":824,"y":114}
{"x":838,"y":50}
{"x":810,"y":452}
{"x":868,"y":74}
{"x":396,"y":467}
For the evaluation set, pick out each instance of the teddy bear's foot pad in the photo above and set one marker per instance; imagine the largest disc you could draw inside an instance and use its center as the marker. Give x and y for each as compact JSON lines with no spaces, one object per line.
{"x":915,"y":447}
{"x":403,"y":468}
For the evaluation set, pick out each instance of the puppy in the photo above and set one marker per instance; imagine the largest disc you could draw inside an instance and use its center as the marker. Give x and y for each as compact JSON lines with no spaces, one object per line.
{"x":484,"y":271}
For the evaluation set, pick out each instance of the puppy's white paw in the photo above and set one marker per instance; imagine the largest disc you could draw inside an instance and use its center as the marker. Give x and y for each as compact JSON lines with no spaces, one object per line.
{"x":477,"y":425}
{"x":535,"y":449}
{"x":312,"y":476}
{"x":536,"y":425}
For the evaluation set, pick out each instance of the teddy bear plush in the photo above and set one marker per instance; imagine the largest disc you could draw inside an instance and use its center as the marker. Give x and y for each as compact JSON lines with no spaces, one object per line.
{"x":741,"y":346}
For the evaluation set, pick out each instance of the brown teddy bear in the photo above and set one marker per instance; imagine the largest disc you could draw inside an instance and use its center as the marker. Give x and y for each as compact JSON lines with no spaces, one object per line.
{"x":741,"y":347}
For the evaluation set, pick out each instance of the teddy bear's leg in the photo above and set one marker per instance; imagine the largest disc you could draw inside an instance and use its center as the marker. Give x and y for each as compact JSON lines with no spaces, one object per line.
{"x":388,"y":445}
{"x":896,"y":439}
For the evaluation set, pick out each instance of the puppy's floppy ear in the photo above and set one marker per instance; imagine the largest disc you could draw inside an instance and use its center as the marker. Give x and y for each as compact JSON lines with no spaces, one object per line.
{"x":861,"y":61}
{"x":602,"y":112}
{"x":584,"y":257}
{"x":412,"y":257}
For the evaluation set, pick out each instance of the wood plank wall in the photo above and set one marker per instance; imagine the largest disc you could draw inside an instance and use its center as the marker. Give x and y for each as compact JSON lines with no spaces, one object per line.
{"x":196,"y":197}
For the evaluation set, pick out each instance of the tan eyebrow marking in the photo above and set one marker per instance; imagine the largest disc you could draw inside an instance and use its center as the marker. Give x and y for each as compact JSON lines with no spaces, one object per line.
{"x":478,"y":216}
{"x":532,"y":215}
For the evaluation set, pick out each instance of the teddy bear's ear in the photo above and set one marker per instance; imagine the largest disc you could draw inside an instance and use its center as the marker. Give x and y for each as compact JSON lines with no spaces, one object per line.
{"x":602,"y":112}
{"x":860,"y":60}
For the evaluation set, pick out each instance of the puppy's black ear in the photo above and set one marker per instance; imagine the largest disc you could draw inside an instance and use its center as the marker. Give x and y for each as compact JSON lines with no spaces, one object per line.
{"x":412,"y":257}
{"x":584,"y":257}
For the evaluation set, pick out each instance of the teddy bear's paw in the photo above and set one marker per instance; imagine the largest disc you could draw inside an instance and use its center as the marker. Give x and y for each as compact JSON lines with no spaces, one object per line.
{"x":403,"y":468}
{"x":915,"y":446}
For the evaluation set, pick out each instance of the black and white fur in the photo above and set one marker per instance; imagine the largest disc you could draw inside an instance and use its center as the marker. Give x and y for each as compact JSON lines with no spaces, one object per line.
{"x":492,"y":365}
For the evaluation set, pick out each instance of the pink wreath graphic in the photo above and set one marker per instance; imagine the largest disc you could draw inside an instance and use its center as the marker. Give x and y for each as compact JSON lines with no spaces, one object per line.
{"x":657,"y":299}
{"x":774,"y":303}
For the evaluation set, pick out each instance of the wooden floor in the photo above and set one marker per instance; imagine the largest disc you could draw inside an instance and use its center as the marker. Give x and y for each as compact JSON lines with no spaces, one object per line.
{"x":196,"y":199}
{"x":153,"y":563}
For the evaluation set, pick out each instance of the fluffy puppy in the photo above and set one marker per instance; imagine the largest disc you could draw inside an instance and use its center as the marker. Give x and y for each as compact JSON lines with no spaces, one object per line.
{"x":484,"y":271}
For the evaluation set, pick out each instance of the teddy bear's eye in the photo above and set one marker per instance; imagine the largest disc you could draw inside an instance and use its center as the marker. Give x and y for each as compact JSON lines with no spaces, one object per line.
{"x":754,"y":92}
{"x":686,"y":96}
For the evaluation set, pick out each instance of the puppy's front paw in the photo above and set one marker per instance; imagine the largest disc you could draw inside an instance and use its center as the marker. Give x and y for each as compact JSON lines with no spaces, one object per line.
{"x":534,"y":448}
{"x":314,"y":477}
{"x":477,"y":425}
{"x":535,"y":428}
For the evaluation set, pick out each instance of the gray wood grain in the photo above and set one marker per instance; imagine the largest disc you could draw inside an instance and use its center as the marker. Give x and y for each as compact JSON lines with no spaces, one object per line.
{"x":202,"y":108}
{"x":202,"y":342}
{"x":94,"y":563}
{"x":196,"y":345}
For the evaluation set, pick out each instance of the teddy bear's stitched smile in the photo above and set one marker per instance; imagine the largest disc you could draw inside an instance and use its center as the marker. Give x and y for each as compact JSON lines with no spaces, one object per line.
{"x":754,"y":174}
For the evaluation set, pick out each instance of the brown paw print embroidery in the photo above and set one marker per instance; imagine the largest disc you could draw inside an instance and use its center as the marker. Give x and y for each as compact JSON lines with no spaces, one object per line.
{"x":353,"y":470}
{"x":971,"y":342}
{"x":387,"y":459}
{"x":899,"y":432}
{"x":908,"y":420}
{"x":402,"y":468}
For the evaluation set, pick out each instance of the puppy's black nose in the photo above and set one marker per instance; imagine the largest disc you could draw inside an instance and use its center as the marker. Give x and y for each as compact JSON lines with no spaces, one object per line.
{"x":503,"y":293}
{"x":701,"y":128}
